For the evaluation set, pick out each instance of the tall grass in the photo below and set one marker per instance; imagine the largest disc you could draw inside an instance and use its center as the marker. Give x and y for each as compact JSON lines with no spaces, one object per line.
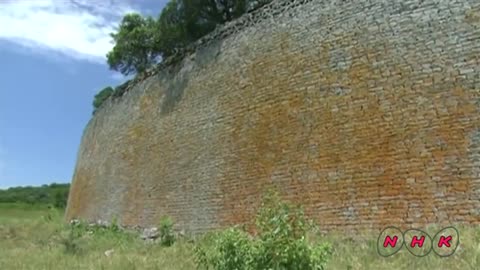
{"x":36,"y":239}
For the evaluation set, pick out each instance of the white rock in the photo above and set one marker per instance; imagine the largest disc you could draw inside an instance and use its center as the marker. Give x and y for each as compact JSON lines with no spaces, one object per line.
{"x":108,"y":253}
{"x":150,"y":233}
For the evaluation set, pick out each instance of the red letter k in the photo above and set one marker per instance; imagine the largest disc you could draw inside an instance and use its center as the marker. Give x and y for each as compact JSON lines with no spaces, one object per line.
{"x":444,"y":241}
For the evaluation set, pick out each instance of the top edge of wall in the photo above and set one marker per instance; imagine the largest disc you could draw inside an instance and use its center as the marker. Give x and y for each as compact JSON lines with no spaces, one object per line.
{"x":252,"y":17}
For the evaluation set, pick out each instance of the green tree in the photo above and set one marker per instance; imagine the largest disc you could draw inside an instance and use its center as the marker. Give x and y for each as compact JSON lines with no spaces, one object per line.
{"x":140,"y":42}
{"x":202,"y":16}
{"x":61,"y":197}
{"x":134,"y":45}
{"x":54,"y":194}
{"x":170,"y":33}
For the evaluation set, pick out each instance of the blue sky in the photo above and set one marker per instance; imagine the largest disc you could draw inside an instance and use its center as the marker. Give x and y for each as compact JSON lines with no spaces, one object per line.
{"x":52,"y":63}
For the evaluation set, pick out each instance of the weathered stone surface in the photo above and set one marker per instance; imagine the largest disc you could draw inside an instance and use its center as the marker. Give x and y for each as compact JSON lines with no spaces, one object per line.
{"x":150,"y":233}
{"x":366,"y":111}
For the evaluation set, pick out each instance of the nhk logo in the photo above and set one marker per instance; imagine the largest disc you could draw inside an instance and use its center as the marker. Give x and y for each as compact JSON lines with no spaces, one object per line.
{"x":418,"y":242}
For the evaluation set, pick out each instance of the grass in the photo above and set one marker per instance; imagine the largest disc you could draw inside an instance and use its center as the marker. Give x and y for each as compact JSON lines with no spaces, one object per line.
{"x":361,"y":253}
{"x":34,"y":237}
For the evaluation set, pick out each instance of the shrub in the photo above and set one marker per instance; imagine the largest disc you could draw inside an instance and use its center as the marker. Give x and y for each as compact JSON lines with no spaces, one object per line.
{"x":113,"y":226}
{"x":283,"y":232}
{"x":72,"y":243}
{"x":167,"y":238}
{"x":232,"y":249}
{"x":103,"y":95}
{"x":281,"y":243}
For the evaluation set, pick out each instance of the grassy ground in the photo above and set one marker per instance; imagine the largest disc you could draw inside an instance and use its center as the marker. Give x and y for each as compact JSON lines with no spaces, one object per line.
{"x":35,"y":238}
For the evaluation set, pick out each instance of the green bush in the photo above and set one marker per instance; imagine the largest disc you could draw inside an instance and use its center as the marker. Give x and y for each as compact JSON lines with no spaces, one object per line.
{"x":283,"y":232}
{"x":281,"y":243}
{"x":232,"y":249}
{"x":167,"y":238}
{"x":102,"y":96}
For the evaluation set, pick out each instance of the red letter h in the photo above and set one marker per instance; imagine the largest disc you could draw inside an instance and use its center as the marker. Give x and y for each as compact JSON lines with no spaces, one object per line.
{"x":416,"y":241}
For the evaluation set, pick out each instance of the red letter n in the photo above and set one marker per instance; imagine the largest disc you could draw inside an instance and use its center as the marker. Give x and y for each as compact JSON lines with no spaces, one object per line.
{"x":390,"y":241}
{"x":444,"y":241}
{"x":416,"y":241}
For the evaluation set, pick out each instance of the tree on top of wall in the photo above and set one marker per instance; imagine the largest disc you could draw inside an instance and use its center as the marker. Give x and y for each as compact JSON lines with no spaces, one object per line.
{"x":142,"y":42}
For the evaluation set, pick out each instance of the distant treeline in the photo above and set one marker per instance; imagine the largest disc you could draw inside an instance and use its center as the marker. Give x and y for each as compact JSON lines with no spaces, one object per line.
{"x":53,"y":194}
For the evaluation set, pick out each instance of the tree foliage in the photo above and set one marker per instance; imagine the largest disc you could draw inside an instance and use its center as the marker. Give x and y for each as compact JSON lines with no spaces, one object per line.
{"x":53,"y":194}
{"x":140,"y":42}
{"x":202,"y":16}
{"x":134,"y":43}
{"x":102,"y":96}
{"x":171,"y":32}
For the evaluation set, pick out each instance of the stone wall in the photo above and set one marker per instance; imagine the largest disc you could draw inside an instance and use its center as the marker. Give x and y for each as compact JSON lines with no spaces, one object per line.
{"x":365,"y":111}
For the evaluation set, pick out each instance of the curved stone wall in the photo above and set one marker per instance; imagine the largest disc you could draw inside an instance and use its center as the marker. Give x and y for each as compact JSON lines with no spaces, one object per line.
{"x":366,"y":112}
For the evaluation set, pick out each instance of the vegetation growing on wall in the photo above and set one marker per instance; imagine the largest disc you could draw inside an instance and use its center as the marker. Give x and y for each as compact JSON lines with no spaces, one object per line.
{"x":103,"y":95}
{"x":53,"y":194}
{"x":142,"y":42}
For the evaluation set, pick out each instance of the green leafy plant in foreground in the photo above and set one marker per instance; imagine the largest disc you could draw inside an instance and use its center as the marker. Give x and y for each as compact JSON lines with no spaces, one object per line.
{"x":72,"y":242}
{"x":230,"y":249}
{"x":281,"y":243}
{"x":167,"y":238}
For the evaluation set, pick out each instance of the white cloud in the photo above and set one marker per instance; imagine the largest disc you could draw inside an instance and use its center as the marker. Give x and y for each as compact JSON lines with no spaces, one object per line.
{"x":76,"y":28}
{"x":120,"y":77}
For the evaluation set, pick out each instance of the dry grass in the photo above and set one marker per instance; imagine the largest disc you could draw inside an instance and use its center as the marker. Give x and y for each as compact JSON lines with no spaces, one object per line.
{"x":31,"y":240}
{"x":361,"y":253}
{"x":35,"y":239}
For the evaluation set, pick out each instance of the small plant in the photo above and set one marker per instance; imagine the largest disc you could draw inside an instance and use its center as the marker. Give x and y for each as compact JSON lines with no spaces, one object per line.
{"x":71,"y":242}
{"x":70,"y":245}
{"x":113,"y":226}
{"x":167,"y":237}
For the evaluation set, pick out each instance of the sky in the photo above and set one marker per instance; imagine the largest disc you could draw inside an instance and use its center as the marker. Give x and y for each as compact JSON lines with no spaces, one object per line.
{"x":52,"y":63}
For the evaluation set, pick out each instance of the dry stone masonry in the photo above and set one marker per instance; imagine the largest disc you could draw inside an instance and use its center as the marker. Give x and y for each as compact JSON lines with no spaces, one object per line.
{"x":366,"y":112}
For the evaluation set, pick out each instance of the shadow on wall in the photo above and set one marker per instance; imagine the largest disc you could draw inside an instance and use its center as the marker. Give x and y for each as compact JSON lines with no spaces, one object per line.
{"x":181,"y":73}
